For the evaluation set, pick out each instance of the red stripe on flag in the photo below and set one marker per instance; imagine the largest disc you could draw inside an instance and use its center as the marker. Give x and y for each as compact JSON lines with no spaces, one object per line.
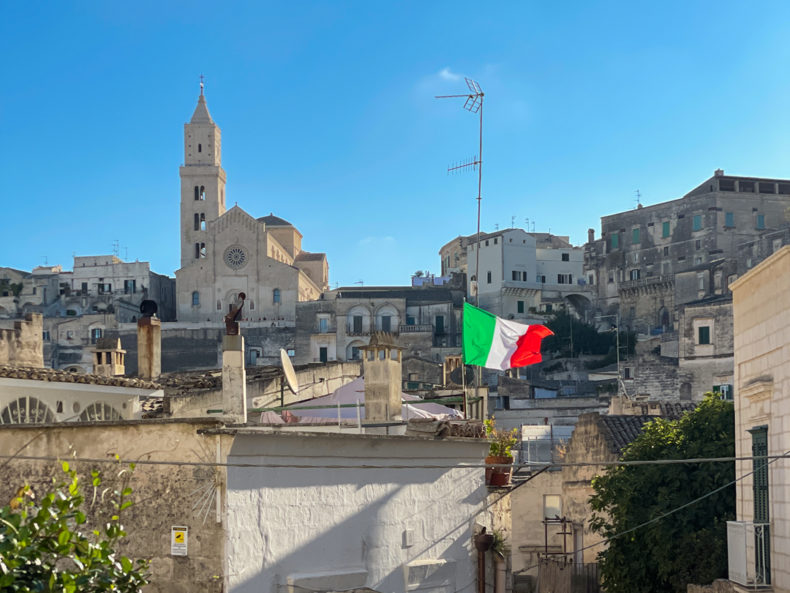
{"x":528,"y":346}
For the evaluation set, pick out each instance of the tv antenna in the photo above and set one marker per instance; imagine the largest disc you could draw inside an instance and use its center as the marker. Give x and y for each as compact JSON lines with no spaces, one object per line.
{"x":638,"y":198}
{"x":473,"y":104}
{"x":115,"y":247}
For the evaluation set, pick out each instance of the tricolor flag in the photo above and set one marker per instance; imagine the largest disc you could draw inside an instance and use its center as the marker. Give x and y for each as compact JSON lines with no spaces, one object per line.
{"x":496,"y":343}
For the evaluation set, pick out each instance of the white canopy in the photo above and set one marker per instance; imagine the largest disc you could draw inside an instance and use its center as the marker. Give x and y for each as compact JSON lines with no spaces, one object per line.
{"x":354,"y":392}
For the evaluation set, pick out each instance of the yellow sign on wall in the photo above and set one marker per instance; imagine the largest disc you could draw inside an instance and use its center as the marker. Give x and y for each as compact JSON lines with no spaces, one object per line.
{"x":179,"y":537}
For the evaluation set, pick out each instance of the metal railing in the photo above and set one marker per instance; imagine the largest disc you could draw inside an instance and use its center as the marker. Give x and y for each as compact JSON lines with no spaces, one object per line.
{"x":749,"y":553}
{"x":415,"y":328}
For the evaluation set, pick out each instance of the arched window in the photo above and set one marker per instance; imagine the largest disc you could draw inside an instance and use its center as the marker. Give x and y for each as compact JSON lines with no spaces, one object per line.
{"x":197,"y":250}
{"x":276,"y":296}
{"x":202,"y":222}
{"x":203,"y":251}
{"x":197,"y":221}
{"x":99,"y":411}
{"x":195,"y":299}
{"x":202,"y":192}
{"x":27,"y":410}
{"x":197,"y":193}
{"x":200,"y":148}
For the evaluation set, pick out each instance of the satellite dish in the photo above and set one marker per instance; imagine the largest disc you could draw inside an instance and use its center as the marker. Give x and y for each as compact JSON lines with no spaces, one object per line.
{"x":288,"y":371}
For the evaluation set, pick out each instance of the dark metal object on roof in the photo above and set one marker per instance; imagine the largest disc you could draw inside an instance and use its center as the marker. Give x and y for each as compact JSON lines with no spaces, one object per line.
{"x":232,"y":318}
{"x":148,"y":308}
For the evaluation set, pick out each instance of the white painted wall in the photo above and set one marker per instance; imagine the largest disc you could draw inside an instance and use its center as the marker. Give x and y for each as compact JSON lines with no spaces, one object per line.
{"x":336,"y":529}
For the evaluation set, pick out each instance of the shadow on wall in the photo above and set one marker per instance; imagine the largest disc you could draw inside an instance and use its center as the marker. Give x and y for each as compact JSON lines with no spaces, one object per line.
{"x":341,"y":528}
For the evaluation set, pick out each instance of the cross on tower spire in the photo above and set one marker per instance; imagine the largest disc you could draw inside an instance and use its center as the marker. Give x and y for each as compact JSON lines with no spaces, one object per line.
{"x":201,"y":85}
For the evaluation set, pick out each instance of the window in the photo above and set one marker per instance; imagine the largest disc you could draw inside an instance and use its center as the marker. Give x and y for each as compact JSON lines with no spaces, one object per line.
{"x":726,"y":185}
{"x":105,"y":288}
{"x":697,"y":222}
{"x":564,"y":278}
{"x":323,"y":325}
{"x":495,"y":241}
{"x":566,"y":257}
{"x":84,"y":288}
{"x":635,"y":274}
{"x":197,"y":222}
{"x":665,"y":229}
{"x":552,"y":506}
{"x":195,"y":298}
{"x":746,"y":186}
{"x":197,"y":193}
{"x":276,"y":296}
{"x":323,"y":354}
{"x":729,"y":219}
{"x":202,"y":192}
{"x":524,"y":276}
{"x":45,"y":335}
{"x":219,"y":305}
{"x":516,"y":275}
{"x":666,"y":251}
{"x":724,"y":391}
{"x":27,"y":410}
{"x":203,"y":251}
{"x":767,"y":188}
{"x":703,"y":334}
{"x":129,"y":286}
{"x":410,"y":320}
{"x":760,"y":491}
{"x":355,"y":353}
{"x":697,"y":244}
{"x":439,"y":321}
{"x":519,"y":306}
{"x":635,"y":236}
{"x":486,"y":242}
{"x":760,"y":222}
{"x":488,"y":277}
{"x":357,"y":327}
{"x":615,"y":240}
{"x":95,"y":335}
{"x":202,"y":222}
{"x":386,"y":323}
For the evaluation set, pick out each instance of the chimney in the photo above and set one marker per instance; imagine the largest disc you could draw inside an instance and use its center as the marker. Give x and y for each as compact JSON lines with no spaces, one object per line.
{"x":381,"y":368}
{"x":234,"y":379}
{"x":590,"y":235}
{"x":108,"y":358}
{"x":149,"y":342}
{"x":718,"y":173}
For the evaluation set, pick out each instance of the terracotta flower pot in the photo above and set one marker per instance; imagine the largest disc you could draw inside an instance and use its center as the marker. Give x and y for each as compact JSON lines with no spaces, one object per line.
{"x":498,"y":476}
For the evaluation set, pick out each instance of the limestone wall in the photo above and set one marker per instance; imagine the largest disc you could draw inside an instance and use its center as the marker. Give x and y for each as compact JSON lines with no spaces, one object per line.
{"x":23,"y":345}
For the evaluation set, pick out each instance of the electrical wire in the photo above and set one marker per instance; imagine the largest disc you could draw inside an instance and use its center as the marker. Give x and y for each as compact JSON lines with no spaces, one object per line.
{"x":771,"y":459}
{"x":527,"y":465}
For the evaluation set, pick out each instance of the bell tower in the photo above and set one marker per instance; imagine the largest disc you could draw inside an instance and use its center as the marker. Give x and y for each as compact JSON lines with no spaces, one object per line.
{"x":202,"y":182}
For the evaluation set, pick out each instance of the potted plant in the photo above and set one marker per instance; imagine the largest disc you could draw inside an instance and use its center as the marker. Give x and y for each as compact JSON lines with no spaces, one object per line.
{"x":499,"y":461}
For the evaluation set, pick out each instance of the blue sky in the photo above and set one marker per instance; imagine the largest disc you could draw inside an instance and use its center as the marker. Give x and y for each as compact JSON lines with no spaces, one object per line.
{"x":328,"y":118}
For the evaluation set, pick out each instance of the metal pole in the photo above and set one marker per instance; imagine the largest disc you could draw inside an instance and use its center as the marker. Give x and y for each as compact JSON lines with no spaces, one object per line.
{"x":618,"y":354}
{"x":479,"y":373}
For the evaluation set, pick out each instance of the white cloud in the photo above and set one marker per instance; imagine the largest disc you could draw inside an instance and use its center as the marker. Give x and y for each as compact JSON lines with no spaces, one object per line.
{"x":447,"y":74}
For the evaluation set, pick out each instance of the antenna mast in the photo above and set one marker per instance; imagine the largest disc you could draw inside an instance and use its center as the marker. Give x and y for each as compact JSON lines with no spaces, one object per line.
{"x":473,"y":104}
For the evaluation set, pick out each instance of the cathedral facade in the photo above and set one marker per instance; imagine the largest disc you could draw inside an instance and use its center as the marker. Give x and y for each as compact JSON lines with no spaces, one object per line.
{"x":225,"y":252}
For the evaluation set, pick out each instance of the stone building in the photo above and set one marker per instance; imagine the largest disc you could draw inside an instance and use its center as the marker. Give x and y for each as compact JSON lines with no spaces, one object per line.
{"x":759,"y":541}
{"x":663,"y":271}
{"x":651,"y":260}
{"x":21,"y":342}
{"x":427,"y":321}
{"x":521,"y":273}
{"x":227,"y":251}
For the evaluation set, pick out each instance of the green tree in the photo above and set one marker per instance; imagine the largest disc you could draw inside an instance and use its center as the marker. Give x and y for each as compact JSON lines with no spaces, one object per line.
{"x":688,"y":546}
{"x":43,"y":547}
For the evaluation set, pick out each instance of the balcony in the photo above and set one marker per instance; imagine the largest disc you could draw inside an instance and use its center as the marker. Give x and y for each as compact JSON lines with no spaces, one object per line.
{"x":749,"y":554}
{"x":416,"y":328}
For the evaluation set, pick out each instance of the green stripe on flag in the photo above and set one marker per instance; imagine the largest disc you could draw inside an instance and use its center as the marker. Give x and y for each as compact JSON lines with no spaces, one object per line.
{"x":478,"y":334}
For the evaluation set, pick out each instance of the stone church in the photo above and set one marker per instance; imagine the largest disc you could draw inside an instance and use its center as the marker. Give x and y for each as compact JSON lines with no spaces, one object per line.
{"x":224,"y":252}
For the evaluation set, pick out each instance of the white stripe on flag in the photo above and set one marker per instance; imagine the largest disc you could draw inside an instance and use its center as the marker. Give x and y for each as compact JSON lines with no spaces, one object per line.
{"x":503,"y":345}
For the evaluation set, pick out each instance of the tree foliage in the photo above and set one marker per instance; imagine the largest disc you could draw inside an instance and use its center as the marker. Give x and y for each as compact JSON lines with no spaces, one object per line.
{"x":43,"y":547}
{"x":586,"y":338}
{"x":689,"y":546}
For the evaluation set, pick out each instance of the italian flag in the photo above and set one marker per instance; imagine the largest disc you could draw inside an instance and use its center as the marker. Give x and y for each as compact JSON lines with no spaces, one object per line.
{"x":496,"y":343}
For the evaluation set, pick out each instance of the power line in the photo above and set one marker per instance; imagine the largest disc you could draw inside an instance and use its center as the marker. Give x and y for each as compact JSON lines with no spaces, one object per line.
{"x":771,"y":459}
{"x":526,"y":465}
